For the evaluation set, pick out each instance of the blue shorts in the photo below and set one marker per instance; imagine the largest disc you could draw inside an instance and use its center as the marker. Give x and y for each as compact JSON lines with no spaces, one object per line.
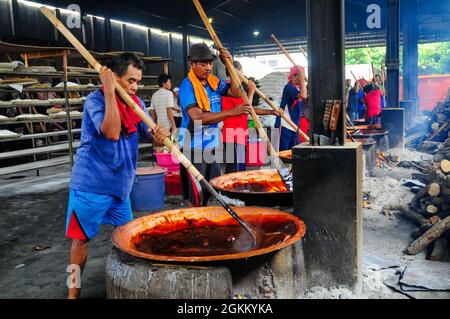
{"x":87,"y":211}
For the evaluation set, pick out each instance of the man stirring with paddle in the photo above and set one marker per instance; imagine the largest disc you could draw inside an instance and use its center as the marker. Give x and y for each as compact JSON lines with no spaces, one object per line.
{"x":200,"y":101}
{"x":104,"y":170}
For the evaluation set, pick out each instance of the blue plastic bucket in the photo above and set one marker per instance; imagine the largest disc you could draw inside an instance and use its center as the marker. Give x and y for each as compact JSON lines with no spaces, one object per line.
{"x":148,"y":188}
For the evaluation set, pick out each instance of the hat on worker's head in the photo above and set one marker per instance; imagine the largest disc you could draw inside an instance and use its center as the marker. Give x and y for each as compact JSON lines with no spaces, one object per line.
{"x":201,"y":52}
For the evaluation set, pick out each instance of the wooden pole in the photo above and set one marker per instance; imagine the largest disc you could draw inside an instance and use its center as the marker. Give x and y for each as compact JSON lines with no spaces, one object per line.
{"x":303,"y":89}
{"x":41,"y":124}
{"x":276,"y":108}
{"x":123,"y":94}
{"x":46,"y":54}
{"x":66,"y":102}
{"x":305,"y":54}
{"x":234,"y":76}
{"x":373,"y":71}
{"x":430,"y":235}
{"x":33,"y":109}
{"x":146,"y":119}
{"x":439,"y":131}
{"x":356,"y":80}
{"x":274,"y":38}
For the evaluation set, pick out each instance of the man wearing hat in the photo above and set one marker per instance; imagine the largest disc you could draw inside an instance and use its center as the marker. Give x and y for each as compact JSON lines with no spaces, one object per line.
{"x":200,"y":101}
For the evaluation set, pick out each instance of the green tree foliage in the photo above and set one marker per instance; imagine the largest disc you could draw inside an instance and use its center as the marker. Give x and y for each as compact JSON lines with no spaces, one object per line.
{"x":434,"y":58}
{"x":366,"y":55}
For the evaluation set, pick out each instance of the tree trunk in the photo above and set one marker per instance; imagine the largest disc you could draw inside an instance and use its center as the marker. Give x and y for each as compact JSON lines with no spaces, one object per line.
{"x":434,"y":189}
{"x":408,"y":213}
{"x":434,"y":232}
{"x":445,"y":166}
{"x":431,"y":209}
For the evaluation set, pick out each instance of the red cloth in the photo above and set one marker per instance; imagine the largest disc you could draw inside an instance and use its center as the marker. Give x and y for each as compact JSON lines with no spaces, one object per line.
{"x":304,"y":126}
{"x":128,"y":117}
{"x":235,"y":128}
{"x":74,"y":229}
{"x":373,"y":103}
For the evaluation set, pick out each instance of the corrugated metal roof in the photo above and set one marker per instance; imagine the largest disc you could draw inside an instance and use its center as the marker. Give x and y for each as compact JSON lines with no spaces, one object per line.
{"x":235,"y":20}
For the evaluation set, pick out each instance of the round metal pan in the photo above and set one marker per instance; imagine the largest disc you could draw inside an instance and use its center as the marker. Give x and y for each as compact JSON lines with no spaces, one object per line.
{"x":370,"y":133}
{"x":233,"y":186}
{"x":380,"y":136}
{"x":174,"y":220}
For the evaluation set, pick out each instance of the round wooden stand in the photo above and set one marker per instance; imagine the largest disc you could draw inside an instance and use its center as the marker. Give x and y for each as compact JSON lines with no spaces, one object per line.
{"x":129,"y":277}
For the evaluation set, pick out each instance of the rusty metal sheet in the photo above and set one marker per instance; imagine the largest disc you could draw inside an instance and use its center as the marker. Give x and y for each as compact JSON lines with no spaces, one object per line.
{"x":432,"y":275}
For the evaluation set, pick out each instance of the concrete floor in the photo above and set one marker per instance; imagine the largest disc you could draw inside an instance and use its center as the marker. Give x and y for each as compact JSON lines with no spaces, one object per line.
{"x":34,"y":253}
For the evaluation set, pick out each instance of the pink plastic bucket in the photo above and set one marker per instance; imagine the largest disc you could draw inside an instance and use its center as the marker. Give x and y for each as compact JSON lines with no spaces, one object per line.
{"x":167,"y":160}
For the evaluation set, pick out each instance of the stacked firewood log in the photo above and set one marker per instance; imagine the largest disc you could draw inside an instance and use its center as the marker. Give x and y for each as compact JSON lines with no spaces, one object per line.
{"x":430,"y":207}
{"x":436,"y":131}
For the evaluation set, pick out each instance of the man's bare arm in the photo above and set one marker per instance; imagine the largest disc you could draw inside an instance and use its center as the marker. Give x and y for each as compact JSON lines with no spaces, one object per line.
{"x":302,"y":79}
{"x":234,"y":89}
{"x":171,"y":118}
{"x":111,"y":125}
{"x":154,"y":116}
{"x":207,"y":118}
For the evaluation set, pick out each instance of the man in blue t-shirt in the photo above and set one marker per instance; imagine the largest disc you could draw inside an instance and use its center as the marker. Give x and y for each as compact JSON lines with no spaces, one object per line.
{"x":200,"y":101}
{"x":293,"y":94}
{"x":105,"y":166}
{"x":355,"y":101}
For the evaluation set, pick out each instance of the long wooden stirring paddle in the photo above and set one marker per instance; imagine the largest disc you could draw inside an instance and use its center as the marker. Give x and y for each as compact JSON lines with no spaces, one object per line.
{"x":275,"y":108}
{"x":281,"y":47}
{"x":282,"y":170}
{"x":137,"y":109}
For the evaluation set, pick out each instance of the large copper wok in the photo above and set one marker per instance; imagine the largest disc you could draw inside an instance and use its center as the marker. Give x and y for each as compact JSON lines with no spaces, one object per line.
{"x":193,"y":223}
{"x":258,"y":188}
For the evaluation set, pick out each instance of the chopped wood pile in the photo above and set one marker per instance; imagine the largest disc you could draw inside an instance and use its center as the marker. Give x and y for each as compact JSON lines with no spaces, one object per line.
{"x":437,"y":129}
{"x":430,"y":207}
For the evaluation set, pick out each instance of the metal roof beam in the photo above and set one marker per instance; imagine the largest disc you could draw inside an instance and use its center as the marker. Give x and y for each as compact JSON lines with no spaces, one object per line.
{"x":228,"y":14}
{"x":214,"y":6}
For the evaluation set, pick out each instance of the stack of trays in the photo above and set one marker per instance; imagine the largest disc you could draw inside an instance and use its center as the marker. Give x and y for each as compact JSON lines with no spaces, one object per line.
{"x":31,"y":117}
{"x":7,"y":134}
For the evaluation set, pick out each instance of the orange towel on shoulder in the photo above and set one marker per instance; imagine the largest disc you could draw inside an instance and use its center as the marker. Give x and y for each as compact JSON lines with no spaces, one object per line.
{"x":200,"y":93}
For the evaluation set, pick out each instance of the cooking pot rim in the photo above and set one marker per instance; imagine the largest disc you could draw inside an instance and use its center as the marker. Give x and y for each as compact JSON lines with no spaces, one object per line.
{"x":121,"y":237}
{"x":213,"y":183}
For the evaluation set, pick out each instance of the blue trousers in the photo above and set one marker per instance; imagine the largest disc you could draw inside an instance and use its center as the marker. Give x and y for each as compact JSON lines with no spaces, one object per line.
{"x":353,"y":115}
{"x":288,"y":139}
